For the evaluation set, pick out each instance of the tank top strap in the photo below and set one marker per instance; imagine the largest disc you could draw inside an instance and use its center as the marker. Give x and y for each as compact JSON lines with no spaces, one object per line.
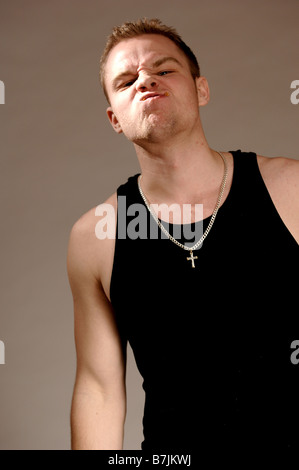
{"x":130,"y":190}
{"x":246,"y":177}
{"x":248,"y":188}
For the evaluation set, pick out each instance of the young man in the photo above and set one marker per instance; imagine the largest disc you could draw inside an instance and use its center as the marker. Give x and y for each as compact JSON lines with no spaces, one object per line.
{"x":212,"y":321}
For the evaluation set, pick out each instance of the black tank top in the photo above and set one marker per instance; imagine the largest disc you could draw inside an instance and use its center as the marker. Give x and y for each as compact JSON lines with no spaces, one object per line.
{"x":213,"y":343}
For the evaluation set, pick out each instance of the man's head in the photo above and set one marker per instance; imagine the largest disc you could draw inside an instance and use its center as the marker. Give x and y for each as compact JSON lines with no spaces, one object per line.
{"x":140,"y":27}
{"x":152,"y":82}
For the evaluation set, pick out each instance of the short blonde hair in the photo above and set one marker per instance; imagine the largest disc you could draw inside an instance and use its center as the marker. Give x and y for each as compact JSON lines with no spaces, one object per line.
{"x":142,"y":26}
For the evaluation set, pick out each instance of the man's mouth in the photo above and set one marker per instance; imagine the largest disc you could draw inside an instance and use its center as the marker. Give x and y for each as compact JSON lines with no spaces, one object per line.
{"x":154,"y":95}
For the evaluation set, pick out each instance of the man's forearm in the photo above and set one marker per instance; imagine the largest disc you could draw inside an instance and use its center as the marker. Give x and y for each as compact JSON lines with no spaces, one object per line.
{"x":97,"y":422}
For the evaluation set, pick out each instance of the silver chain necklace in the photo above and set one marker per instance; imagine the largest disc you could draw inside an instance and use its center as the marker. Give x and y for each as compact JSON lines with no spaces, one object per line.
{"x":205,"y":234}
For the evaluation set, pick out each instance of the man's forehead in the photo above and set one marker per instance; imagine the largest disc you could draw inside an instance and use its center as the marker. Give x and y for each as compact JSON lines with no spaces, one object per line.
{"x":142,"y":50}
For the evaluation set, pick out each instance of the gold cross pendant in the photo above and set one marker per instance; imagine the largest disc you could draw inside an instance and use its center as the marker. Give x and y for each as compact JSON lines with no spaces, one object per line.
{"x":192,"y":258}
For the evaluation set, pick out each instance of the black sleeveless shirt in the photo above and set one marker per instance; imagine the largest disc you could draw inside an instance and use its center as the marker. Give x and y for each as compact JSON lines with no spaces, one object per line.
{"x":213,"y":343}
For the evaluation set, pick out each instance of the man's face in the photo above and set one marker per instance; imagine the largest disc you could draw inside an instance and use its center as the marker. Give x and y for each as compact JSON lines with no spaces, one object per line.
{"x":151,"y":90}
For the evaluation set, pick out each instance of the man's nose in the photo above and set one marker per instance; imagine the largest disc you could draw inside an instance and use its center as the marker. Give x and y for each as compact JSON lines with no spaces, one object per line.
{"x":145,"y":82}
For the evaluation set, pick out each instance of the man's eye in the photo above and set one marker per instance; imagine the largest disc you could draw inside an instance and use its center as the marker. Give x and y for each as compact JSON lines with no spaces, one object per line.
{"x":164,"y":72}
{"x":129,"y":83}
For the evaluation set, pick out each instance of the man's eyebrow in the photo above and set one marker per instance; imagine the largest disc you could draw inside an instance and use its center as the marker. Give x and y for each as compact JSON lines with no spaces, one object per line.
{"x":120,"y":77}
{"x":161,"y":61}
{"x":157,"y":63}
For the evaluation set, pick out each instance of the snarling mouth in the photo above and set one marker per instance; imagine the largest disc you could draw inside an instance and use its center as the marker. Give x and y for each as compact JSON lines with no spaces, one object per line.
{"x":154,"y":95}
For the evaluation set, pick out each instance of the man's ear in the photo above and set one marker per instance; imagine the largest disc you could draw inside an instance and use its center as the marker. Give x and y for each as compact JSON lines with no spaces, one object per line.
{"x":113,"y":120}
{"x":203,"y":91}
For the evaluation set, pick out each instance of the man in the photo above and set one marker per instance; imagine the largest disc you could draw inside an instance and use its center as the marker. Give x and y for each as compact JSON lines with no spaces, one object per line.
{"x":212,"y":320}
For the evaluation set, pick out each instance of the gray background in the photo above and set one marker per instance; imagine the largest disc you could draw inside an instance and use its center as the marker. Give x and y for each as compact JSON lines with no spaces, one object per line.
{"x":60,"y":157}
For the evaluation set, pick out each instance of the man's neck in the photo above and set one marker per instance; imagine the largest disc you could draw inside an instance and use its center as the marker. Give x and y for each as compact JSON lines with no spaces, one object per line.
{"x":179,"y":172}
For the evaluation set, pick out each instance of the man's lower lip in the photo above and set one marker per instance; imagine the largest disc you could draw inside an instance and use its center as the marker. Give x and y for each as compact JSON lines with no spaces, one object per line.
{"x":152,"y":97}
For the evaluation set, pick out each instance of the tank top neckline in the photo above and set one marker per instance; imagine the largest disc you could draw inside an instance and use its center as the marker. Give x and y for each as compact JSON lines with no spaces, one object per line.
{"x":224,"y":204}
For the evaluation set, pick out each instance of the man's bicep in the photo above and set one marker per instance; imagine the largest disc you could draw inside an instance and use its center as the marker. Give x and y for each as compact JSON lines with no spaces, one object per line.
{"x":98,"y":345}
{"x":99,"y":351}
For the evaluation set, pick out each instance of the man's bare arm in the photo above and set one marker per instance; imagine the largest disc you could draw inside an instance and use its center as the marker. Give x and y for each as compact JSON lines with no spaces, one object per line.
{"x":99,"y":402}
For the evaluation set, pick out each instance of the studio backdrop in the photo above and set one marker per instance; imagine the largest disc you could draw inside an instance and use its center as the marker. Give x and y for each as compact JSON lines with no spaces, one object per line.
{"x":60,"y":157}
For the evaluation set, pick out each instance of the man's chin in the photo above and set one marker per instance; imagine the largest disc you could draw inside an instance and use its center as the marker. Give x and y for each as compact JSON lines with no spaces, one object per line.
{"x":156,"y":130}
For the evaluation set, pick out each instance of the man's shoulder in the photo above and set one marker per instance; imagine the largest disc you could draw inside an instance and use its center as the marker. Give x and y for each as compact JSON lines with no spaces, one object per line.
{"x":85,"y":247}
{"x":90,"y":249}
{"x":84,"y":227}
{"x":281,"y":177}
{"x":280,"y":173}
{"x":278,"y":167}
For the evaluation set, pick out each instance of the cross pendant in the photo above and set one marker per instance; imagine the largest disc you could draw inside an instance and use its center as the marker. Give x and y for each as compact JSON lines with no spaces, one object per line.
{"x":192,"y":258}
